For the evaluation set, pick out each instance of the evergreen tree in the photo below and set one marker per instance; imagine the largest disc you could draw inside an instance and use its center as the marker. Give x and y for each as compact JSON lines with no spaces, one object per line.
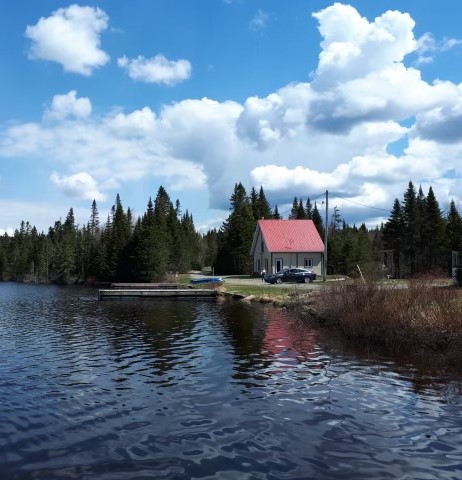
{"x":93,"y":225}
{"x":254,"y":202}
{"x":308,"y":209}
{"x":276,"y":215}
{"x":411,"y":229}
{"x":394,"y":236}
{"x":210,"y":247}
{"x":263,"y":206}
{"x":164,"y":217}
{"x":317,"y":220}
{"x":118,"y":236}
{"x":64,"y":262}
{"x":454,"y":229}
{"x":294,"y":210}
{"x":301,"y":214}
{"x":432,"y":233}
{"x":235,"y":236}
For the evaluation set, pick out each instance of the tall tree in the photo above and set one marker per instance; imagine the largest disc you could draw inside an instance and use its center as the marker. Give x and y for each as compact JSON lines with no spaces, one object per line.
{"x":454,"y":228}
{"x":394,"y":235}
{"x":294,"y":210}
{"x":119,"y":232}
{"x":411,"y":229}
{"x":301,"y":214}
{"x":235,"y":236}
{"x":276,"y":214}
{"x":308,"y":209}
{"x":263,"y":206}
{"x":317,"y":220}
{"x":432,"y":232}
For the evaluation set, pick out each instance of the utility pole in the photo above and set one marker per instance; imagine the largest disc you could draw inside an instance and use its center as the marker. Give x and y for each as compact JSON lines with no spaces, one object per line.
{"x":326,"y":229}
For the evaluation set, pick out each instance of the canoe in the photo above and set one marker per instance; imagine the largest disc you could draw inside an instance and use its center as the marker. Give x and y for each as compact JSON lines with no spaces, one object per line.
{"x":196,"y":281}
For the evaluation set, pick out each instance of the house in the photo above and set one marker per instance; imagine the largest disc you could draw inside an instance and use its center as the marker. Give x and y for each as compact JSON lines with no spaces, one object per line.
{"x":279,"y":244}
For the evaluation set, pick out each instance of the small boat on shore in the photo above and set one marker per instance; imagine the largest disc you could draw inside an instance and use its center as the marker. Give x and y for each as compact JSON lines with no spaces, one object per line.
{"x":202,"y":280}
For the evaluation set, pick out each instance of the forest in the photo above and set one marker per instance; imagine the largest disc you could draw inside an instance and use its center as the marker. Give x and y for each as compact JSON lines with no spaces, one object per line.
{"x":417,"y":238}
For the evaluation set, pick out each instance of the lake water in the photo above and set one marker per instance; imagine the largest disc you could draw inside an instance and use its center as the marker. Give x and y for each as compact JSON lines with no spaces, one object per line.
{"x":143,"y":389}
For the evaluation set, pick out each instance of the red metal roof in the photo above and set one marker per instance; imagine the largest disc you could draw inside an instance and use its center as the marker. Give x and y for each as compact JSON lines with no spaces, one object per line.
{"x":291,"y":236}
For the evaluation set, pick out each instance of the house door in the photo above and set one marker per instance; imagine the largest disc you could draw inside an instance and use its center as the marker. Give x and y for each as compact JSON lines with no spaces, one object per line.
{"x":278,"y":264}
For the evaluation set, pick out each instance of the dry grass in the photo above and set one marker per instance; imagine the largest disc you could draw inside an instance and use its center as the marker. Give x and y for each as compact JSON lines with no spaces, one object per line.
{"x":420,"y":314}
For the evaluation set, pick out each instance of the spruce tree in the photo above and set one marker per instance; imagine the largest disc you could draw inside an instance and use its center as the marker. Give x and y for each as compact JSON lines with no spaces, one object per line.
{"x":317,"y":220}
{"x":118,"y":236}
{"x":411,"y":230}
{"x":236,"y":234}
{"x":301,"y":214}
{"x":264,"y":209}
{"x":433,"y":231}
{"x":276,"y":214}
{"x":294,"y":210}
{"x":454,"y":229}
{"x":394,"y":236}
{"x":308,"y":209}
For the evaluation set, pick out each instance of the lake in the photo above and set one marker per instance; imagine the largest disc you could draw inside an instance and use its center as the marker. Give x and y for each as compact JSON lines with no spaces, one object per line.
{"x":188,"y":389}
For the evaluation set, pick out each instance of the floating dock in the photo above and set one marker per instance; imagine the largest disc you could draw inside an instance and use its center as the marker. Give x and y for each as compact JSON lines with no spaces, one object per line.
{"x":152,"y":290}
{"x":148,"y":286}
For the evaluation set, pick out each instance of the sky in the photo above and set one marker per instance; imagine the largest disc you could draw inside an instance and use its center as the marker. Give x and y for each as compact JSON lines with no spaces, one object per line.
{"x":301,"y":97}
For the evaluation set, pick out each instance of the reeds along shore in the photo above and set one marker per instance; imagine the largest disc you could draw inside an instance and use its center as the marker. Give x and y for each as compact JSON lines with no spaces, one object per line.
{"x":421,"y":314}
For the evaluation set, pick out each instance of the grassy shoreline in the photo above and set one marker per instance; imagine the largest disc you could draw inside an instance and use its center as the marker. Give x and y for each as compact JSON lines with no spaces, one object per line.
{"x":422,"y":315}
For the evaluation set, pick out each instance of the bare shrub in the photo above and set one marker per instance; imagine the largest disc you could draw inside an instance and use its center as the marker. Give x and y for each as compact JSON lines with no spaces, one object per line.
{"x":420,"y":312}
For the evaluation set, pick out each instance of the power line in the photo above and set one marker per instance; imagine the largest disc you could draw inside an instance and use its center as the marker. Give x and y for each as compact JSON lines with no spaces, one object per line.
{"x":323,"y":194}
{"x":360,"y":204}
{"x":342,"y":198}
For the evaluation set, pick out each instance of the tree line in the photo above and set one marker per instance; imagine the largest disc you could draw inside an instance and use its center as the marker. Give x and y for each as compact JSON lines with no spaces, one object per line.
{"x":416,"y":238}
{"x":162,"y":240}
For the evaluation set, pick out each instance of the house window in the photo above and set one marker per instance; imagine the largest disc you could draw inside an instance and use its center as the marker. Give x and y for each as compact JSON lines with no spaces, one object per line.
{"x":262,"y":247}
{"x":266,"y":264}
{"x":308,"y":262}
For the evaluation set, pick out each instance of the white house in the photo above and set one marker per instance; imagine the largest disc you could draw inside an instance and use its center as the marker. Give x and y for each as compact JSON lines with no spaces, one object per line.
{"x":279,"y":244}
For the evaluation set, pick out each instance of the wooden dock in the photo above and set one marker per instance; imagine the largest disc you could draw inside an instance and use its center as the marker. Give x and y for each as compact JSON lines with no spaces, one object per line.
{"x":149,"y":286}
{"x":140,"y":290}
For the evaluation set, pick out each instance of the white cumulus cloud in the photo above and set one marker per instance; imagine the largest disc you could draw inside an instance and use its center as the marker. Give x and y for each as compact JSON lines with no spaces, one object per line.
{"x":363,"y":127}
{"x":70,"y":36}
{"x":80,"y":185}
{"x":157,"y":69}
{"x":68,"y":106}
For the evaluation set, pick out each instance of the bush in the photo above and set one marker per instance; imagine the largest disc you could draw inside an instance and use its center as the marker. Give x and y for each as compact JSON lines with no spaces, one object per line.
{"x":421,"y":313}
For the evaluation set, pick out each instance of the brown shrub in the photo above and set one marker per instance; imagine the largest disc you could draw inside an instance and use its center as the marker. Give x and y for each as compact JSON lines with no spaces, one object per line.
{"x":419,"y":313}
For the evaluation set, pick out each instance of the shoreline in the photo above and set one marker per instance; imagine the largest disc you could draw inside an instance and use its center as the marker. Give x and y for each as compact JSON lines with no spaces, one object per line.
{"x":419,"y":319}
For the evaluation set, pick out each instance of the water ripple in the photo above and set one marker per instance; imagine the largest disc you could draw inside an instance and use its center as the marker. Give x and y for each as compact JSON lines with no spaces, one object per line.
{"x":182,"y":390}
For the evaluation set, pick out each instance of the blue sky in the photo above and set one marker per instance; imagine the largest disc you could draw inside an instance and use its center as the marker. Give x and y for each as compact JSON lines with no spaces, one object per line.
{"x":298,"y":96}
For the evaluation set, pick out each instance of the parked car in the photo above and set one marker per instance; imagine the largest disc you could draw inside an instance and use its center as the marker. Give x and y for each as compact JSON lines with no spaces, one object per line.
{"x":294,"y":275}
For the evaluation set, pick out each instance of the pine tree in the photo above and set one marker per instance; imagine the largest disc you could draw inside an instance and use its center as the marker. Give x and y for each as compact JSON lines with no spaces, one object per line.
{"x":254,"y":202}
{"x":276,"y":214}
{"x":235,"y":235}
{"x":118,"y":236}
{"x":210,"y":247}
{"x":433,"y":230}
{"x":264,"y":209}
{"x":93,"y":224}
{"x":308,"y":209}
{"x":294,"y":210}
{"x":317,"y":220}
{"x":301,"y":214}
{"x":394,"y":235}
{"x":411,"y":230}
{"x":454,"y":229}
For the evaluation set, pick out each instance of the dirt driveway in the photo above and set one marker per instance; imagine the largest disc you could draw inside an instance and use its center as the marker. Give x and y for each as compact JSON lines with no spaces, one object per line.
{"x":247,"y":280}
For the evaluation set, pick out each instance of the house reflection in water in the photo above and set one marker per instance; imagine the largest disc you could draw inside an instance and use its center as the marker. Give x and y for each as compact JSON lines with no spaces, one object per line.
{"x":287,"y":344}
